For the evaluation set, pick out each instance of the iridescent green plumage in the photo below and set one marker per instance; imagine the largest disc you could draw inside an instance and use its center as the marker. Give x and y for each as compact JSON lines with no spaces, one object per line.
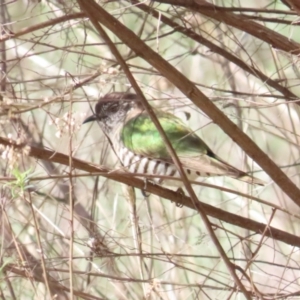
{"x":141,"y":136}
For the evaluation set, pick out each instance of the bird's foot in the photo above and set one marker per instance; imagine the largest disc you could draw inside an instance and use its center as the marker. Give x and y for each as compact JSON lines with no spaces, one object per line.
{"x":145,"y":193}
{"x":181,"y":192}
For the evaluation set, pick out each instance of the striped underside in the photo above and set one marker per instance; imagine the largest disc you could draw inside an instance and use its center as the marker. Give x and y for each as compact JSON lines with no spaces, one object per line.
{"x":144,"y":165}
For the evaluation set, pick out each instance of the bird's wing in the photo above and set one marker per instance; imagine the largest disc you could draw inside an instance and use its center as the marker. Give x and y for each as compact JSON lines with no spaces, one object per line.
{"x":216,"y":166}
{"x":140,"y":135}
{"x":209,"y":165}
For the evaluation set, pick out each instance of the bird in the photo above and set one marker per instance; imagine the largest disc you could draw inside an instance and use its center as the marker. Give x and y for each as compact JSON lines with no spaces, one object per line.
{"x":141,"y":149}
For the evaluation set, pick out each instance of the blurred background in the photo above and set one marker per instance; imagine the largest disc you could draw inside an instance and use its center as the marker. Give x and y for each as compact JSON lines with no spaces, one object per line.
{"x":116,"y":244}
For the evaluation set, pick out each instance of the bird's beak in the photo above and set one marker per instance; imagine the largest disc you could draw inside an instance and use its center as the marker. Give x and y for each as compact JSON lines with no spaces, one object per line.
{"x":90,"y":119}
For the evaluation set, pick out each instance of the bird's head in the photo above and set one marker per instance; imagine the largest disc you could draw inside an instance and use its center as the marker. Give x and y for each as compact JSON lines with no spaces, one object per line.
{"x":113,"y":108}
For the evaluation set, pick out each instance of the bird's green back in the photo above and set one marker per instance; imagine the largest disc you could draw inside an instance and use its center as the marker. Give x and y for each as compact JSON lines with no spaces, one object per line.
{"x":140,"y":135}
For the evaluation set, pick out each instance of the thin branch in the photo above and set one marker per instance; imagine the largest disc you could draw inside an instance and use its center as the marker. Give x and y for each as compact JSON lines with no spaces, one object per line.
{"x":218,"y":50}
{"x":275,"y":39}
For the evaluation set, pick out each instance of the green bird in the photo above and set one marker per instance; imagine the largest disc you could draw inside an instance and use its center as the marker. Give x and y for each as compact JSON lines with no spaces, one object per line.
{"x":140,"y":148}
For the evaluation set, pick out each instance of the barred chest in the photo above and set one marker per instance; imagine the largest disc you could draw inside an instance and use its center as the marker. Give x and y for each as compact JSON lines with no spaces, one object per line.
{"x":139,"y":164}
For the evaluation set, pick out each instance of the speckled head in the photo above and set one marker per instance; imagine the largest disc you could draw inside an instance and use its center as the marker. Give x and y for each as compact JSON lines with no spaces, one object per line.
{"x":113,"y":108}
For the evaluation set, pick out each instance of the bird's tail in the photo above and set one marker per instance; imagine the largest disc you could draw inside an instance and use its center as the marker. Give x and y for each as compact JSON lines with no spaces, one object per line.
{"x":250,"y":179}
{"x":240,"y":175}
